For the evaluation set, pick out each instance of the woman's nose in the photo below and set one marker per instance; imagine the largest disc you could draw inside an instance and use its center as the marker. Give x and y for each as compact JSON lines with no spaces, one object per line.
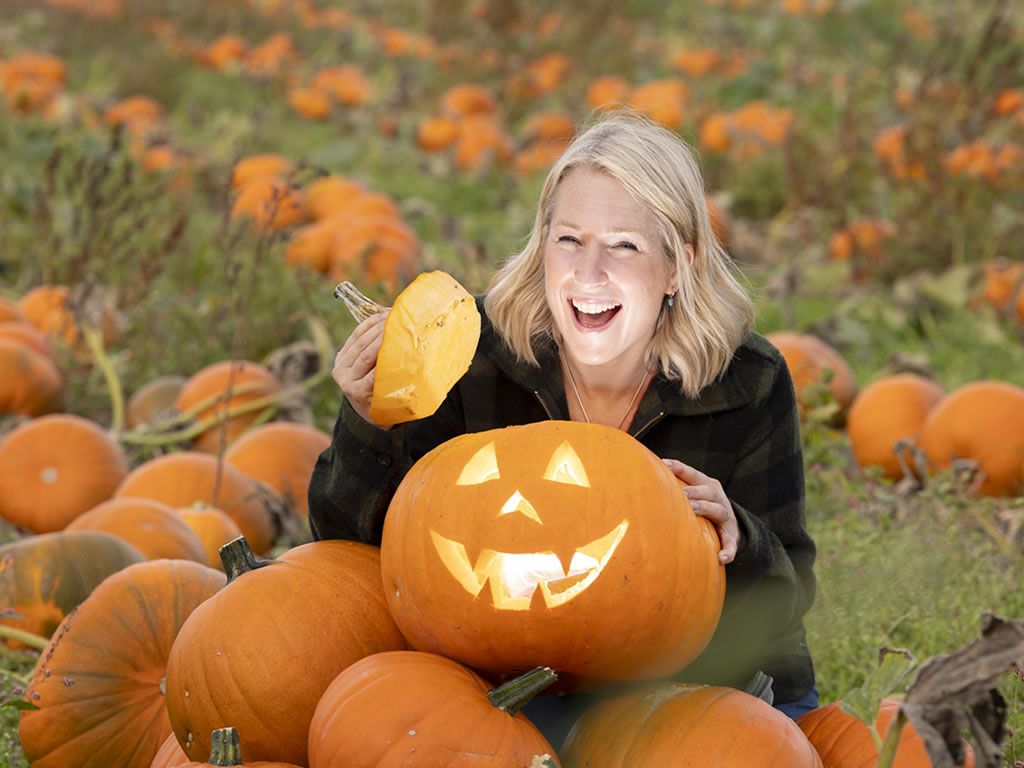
{"x":591,"y":266}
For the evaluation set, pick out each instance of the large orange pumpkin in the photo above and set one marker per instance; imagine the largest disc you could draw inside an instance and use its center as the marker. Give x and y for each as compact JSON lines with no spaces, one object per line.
{"x":501,"y":549}
{"x":219,"y":387}
{"x":982,"y":421}
{"x":27,"y":334}
{"x":890,"y":409}
{"x":676,"y":724}
{"x":318,"y":608}
{"x":54,"y":468}
{"x":811,"y":362}
{"x":843,"y":741}
{"x":43,"y":577}
{"x":153,"y":528}
{"x":170,"y":754}
{"x":99,"y":684}
{"x":30,"y":383}
{"x":282,"y":455}
{"x":181,"y":479}
{"x":382,"y":712}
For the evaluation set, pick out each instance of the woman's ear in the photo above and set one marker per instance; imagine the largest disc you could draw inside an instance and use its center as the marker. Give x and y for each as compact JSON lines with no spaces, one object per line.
{"x":688,"y":249}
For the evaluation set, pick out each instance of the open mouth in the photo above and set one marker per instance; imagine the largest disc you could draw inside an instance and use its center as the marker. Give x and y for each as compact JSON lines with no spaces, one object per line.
{"x":594,"y":315}
{"x":515,"y":577}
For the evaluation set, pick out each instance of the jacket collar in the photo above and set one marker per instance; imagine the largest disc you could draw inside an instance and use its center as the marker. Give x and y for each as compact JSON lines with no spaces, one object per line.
{"x":662,"y":396}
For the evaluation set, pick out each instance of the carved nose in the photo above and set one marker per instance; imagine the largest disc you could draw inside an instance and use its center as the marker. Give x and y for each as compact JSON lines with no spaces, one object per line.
{"x":519,"y":503}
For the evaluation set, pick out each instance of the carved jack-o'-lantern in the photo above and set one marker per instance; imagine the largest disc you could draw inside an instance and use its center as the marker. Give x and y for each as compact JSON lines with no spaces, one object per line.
{"x":560,"y":543}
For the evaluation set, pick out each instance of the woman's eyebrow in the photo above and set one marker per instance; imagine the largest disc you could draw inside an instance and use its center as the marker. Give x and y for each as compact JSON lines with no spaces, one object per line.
{"x":615,"y":229}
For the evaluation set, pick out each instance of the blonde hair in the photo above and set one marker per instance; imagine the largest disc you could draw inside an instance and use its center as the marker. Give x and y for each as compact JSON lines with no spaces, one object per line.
{"x":695,"y":338}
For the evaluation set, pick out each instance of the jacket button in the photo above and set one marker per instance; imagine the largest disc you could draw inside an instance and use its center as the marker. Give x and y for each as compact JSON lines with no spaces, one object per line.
{"x":384,"y":460}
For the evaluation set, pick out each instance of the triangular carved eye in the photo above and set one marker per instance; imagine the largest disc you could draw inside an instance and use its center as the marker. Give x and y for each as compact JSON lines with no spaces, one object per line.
{"x":481,"y":468}
{"x":565,"y":467}
{"x":519,"y":503}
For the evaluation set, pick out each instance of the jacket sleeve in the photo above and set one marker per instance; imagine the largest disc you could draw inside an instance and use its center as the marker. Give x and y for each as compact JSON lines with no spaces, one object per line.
{"x":770,"y":585}
{"x":767,"y":493}
{"x":354,"y":479}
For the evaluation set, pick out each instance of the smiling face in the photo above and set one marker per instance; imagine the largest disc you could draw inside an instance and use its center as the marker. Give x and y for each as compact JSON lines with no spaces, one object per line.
{"x":606,"y":272}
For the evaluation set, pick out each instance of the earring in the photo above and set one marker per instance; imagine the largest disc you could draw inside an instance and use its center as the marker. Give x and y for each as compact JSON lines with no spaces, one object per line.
{"x":671,"y":300}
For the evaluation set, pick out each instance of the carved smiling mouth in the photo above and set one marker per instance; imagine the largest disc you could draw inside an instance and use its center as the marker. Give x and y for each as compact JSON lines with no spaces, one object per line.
{"x":515,"y":577}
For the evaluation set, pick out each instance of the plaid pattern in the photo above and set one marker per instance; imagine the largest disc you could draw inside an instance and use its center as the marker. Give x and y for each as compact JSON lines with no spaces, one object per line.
{"x":743,"y":430}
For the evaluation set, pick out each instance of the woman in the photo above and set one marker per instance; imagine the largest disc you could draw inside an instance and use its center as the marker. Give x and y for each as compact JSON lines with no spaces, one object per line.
{"x":622,"y":310}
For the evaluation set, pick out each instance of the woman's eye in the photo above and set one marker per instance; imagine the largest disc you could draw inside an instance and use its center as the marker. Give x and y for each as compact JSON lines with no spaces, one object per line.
{"x":625,"y":244}
{"x":568,"y":239}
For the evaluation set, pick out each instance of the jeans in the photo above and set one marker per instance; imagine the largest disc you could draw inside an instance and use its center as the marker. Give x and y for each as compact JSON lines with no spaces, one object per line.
{"x":555,"y":715}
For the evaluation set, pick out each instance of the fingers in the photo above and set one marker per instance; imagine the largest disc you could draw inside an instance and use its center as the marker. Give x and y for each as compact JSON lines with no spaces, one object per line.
{"x":708,"y":499}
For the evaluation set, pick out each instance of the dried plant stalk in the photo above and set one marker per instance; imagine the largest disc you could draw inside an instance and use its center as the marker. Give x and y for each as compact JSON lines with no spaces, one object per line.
{"x":358,"y":304}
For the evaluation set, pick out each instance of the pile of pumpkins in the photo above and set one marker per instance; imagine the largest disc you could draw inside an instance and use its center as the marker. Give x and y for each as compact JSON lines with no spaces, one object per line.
{"x":423,"y":651}
{"x":907,"y":425}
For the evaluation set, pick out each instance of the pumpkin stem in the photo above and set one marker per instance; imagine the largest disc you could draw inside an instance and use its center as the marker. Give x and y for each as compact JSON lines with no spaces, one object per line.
{"x":94,"y":340}
{"x":25,"y":638}
{"x":225,"y":748}
{"x":887,"y":752}
{"x":358,"y":304}
{"x":238,"y":558}
{"x":517,"y":693}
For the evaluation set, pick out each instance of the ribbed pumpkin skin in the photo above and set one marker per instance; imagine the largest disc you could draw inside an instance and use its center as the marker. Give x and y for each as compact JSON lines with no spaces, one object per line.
{"x":675,"y":725}
{"x":318,"y":608}
{"x":406,"y":709}
{"x":890,"y":409}
{"x":984,"y":421}
{"x":183,"y":478}
{"x":469,"y":513}
{"x":214,"y":529}
{"x":54,"y":468}
{"x":45,"y":576}
{"x":808,"y":358}
{"x":282,"y":455}
{"x":98,"y":683}
{"x":27,"y":334}
{"x":843,"y":741}
{"x":152,"y":527}
{"x":170,"y":754}
{"x":216,"y":379}
{"x":30,"y":384}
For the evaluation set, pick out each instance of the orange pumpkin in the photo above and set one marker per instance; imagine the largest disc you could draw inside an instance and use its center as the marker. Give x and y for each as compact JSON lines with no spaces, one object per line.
{"x":311,"y":103}
{"x":382,"y":711}
{"x":183,"y":478}
{"x":481,"y":141}
{"x":154,"y":400}
{"x":170,"y":754}
{"x":329,"y":195}
{"x":347,"y":84}
{"x":607,"y":91}
{"x":48,"y":308}
{"x":27,"y":334}
{"x":225,"y":750}
{"x":319,"y":607}
{"x":502,"y":548}
{"x":54,"y":468}
{"x":843,"y":741}
{"x":890,"y":409}
{"x":270,"y":202}
{"x":99,"y":683}
{"x":982,"y":421}
{"x":811,"y":363}
{"x":264,"y":166}
{"x":1000,"y":280}
{"x":218,"y":388}
{"x":43,"y":577}
{"x":214,"y":529}
{"x":468,"y":99}
{"x":155,"y":529}
{"x":381,"y":248}
{"x":703,"y":725}
{"x":30,"y":384}
{"x":435,"y":134}
{"x":282,"y":455}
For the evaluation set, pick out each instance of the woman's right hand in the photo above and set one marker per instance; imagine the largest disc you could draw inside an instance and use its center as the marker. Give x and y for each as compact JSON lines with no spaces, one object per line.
{"x":356,"y":362}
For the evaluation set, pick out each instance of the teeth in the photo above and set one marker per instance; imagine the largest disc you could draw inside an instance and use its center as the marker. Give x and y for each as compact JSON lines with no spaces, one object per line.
{"x":593,"y":307}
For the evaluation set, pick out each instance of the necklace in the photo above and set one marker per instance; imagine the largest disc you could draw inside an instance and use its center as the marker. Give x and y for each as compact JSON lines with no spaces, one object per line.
{"x":579,"y":399}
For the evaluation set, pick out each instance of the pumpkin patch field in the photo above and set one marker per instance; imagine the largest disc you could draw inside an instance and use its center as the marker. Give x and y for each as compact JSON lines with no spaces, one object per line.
{"x":184,"y":184}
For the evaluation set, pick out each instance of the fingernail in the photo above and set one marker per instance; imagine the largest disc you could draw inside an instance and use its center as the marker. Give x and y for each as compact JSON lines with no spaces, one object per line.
{"x":695,"y":504}
{"x":723,"y":557}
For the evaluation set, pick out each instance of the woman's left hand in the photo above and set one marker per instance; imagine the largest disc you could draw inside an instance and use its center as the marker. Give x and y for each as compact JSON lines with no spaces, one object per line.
{"x":708,"y":499}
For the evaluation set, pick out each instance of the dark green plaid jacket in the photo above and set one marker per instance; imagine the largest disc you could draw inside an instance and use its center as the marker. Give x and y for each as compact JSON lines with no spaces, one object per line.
{"x":743,"y":430}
